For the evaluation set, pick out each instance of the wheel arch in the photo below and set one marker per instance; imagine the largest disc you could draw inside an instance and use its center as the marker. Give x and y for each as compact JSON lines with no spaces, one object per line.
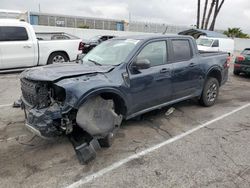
{"x":118,"y":98}
{"x":215,"y":72}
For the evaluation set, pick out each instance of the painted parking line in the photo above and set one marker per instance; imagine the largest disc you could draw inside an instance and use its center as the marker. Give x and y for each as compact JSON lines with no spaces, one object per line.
{"x":5,"y":105}
{"x":117,"y":164}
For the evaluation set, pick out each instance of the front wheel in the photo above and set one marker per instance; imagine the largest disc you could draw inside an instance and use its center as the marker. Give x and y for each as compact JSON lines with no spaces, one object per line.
{"x":57,"y":57}
{"x":210,"y":92}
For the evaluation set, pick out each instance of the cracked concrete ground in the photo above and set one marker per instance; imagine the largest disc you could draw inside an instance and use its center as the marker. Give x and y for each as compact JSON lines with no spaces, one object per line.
{"x":215,"y":156}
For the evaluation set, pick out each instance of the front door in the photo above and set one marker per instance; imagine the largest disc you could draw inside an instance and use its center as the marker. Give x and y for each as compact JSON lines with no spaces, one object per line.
{"x":17,"y":50}
{"x":152,"y":86}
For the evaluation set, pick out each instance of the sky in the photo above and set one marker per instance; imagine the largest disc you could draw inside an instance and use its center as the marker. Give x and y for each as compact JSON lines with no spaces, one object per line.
{"x":175,"y":12}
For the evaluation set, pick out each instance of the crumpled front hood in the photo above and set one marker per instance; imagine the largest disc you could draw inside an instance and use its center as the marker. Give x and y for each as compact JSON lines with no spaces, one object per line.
{"x":58,"y":71}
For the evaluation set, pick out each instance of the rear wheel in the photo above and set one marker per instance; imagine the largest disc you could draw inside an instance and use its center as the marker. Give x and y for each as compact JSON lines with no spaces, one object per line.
{"x":57,"y":57}
{"x":210,"y":92}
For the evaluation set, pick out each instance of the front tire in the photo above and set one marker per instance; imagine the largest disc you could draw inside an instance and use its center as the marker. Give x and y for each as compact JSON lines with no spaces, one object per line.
{"x":57,"y":57}
{"x":210,"y":92}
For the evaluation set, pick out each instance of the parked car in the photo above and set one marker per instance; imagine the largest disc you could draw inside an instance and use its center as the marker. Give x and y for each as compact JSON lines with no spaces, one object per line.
{"x":242,"y":62}
{"x":120,"y":79}
{"x":19,"y":47}
{"x":216,"y":44}
{"x":93,"y":42}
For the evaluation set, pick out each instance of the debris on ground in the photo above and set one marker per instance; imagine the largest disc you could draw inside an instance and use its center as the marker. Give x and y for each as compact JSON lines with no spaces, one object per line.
{"x":17,"y":103}
{"x":170,"y":111}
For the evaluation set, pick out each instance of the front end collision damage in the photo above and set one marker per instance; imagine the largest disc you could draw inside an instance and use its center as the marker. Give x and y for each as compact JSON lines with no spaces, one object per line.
{"x":96,"y":117}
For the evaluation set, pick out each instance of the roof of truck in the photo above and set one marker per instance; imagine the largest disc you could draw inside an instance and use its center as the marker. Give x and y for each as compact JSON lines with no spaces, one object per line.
{"x":151,"y":36}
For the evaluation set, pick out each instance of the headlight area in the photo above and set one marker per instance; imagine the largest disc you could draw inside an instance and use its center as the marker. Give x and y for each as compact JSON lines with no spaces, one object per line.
{"x":47,"y":114}
{"x":57,"y":94}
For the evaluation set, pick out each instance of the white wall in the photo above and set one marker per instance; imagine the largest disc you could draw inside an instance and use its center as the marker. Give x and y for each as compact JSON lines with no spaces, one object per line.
{"x":85,"y":33}
{"x":239,"y":44}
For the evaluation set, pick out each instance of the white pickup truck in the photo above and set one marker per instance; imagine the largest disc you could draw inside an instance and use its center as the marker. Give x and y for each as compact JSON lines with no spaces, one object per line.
{"x":21,"y":48}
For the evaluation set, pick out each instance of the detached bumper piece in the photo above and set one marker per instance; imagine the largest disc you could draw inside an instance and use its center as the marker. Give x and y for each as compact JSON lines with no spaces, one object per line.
{"x":87,"y":152}
{"x":84,"y":145}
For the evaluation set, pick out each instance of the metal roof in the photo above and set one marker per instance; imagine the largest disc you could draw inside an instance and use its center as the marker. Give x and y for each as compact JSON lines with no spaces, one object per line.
{"x":196,"y":33}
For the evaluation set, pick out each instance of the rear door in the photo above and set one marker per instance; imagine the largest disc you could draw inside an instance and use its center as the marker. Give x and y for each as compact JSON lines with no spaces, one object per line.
{"x":17,"y":49}
{"x":152,"y":86}
{"x":186,"y":75}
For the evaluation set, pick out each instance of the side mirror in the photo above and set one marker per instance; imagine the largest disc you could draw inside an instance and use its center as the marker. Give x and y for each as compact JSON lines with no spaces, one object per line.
{"x":141,"y":64}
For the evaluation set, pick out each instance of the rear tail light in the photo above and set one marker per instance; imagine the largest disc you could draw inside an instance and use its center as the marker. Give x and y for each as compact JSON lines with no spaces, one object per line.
{"x":227,"y":64}
{"x":240,"y":58}
{"x":81,"y":46}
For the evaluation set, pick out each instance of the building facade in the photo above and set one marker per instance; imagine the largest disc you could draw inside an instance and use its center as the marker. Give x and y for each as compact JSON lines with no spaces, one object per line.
{"x":57,"y":20}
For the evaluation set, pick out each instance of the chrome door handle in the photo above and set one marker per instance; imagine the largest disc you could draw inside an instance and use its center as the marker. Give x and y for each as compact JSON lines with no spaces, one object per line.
{"x":27,"y":46}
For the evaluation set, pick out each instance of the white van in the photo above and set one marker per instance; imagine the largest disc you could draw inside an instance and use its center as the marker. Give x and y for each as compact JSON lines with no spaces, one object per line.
{"x":215,"y":44}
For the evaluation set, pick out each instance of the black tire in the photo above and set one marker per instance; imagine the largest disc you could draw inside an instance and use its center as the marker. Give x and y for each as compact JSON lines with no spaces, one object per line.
{"x":57,"y":57}
{"x":107,"y":141}
{"x":210,"y":92}
{"x":236,"y":72}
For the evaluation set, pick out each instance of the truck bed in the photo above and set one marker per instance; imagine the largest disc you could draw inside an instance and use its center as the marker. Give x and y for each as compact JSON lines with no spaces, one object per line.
{"x":207,"y":54}
{"x":55,"y":36}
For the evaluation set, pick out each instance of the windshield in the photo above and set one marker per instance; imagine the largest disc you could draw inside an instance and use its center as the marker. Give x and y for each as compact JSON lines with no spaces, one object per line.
{"x":204,"y":42}
{"x":111,"y":52}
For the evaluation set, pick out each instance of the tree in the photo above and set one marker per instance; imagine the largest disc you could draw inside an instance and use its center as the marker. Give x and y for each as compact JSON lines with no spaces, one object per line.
{"x":198,"y":14}
{"x":216,"y":12}
{"x":235,"y":32}
{"x":209,"y":13}
{"x":214,"y":9}
{"x":204,"y":15}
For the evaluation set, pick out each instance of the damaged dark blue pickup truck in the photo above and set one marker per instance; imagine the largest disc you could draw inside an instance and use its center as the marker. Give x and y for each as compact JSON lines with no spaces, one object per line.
{"x":120,"y":79}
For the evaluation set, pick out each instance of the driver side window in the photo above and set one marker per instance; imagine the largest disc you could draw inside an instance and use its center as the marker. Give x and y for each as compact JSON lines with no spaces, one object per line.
{"x":155,"y":52}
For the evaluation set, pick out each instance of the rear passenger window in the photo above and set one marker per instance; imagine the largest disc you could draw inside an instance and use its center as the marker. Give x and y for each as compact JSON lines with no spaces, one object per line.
{"x":155,"y":52}
{"x":181,"y":50}
{"x":13,"y":33}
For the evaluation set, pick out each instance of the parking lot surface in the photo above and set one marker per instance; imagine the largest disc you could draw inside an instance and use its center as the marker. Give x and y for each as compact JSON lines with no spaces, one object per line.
{"x":215,"y":155}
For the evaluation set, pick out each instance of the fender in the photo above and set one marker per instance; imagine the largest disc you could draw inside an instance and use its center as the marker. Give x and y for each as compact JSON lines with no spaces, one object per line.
{"x":214,"y":67}
{"x":98,"y":91}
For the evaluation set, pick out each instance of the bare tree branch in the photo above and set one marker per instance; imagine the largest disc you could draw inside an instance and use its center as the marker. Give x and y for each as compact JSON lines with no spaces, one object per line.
{"x":204,"y":15}
{"x":209,"y":13}
{"x":216,"y":12}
